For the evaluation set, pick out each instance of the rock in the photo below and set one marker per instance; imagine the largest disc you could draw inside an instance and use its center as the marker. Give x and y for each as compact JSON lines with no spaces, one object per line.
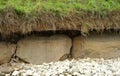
{"x":100,"y":46}
{"x":15,"y":73}
{"x":37,"y":50}
{"x":5,"y":68}
{"x":58,"y":46}
{"x":32,"y":49}
{"x":6,"y":51}
{"x":78,"y":43}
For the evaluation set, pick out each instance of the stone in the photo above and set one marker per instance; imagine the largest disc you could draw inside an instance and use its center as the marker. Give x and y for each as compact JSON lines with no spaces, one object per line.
{"x":15,"y":73}
{"x":32,"y":49}
{"x":6,"y":69}
{"x":77,"y":46}
{"x":6,"y":51}
{"x":38,"y":50}
{"x":96,"y":46}
{"x":58,"y":46}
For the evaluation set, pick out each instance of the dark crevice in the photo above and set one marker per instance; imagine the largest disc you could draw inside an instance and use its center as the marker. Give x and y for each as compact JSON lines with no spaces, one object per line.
{"x":15,"y":58}
{"x":14,"y":38}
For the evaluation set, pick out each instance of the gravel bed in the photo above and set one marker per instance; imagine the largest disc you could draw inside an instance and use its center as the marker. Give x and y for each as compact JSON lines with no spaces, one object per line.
{"x":80,"y":67}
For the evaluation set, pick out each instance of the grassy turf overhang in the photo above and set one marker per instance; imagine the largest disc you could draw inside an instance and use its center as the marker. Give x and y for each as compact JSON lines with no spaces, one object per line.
{"x":40,"y":15}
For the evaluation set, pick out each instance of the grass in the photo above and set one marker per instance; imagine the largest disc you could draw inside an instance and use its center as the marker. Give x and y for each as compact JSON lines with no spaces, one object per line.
{"x":61,"y":7}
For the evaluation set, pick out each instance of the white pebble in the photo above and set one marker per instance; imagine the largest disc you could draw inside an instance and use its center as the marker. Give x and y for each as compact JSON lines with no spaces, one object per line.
{"x":81,"y":67}
{"x":15,"y":73}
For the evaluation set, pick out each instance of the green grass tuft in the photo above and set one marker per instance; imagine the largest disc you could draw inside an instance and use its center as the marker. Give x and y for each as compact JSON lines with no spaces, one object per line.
{"x":61,"y":7}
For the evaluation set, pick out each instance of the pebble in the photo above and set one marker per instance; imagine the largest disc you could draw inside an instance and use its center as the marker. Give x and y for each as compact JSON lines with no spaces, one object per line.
{"x":81,"y":67}
{"x":15,"y":73}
